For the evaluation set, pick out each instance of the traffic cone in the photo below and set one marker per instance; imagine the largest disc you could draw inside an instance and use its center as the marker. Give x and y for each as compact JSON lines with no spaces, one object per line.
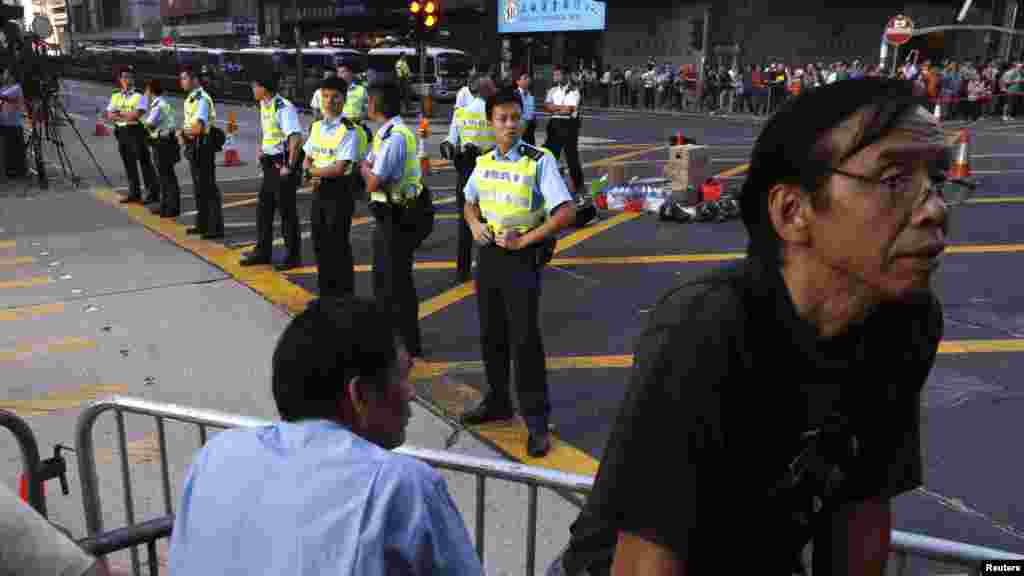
{"x":424,"y":133}
{"x":231,"y":157}
{"x":961,"y":167}
{"x":101,"y":128}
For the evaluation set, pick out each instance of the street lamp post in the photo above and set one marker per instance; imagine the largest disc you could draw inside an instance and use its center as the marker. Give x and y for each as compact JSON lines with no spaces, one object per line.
{"x":299,"y":64}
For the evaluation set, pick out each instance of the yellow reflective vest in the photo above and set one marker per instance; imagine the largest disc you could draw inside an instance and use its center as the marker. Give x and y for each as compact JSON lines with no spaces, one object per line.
{"x":506,"y":197}
{"x":271,"y":128}
{"x":192,"y":109}
{"x":165,"y":125}
{"x":125,"y":102}
{"x":324,"y":144}
{"x":355,"y":103}
{"x":406,"y":188}
{"x":474,"y":128}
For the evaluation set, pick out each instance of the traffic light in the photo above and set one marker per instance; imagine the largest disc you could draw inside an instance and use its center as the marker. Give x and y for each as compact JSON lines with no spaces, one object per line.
{"x":426,"y":15}
{"x":697,"y":34}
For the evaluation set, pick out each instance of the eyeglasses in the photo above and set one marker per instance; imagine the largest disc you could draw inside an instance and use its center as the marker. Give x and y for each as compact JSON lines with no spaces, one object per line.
{"x":902,"y":185}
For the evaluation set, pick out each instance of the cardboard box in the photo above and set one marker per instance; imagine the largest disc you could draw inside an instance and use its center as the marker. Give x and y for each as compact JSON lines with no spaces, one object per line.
{"x":687,"y":166}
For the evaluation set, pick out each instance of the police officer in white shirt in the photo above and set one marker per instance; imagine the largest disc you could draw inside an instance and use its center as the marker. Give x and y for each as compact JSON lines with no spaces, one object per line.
{"x":563,"y":130}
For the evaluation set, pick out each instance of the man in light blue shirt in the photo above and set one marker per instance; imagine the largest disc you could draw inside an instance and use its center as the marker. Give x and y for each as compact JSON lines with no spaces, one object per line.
{"x":529,"y":107}
{"x":320,"y":493}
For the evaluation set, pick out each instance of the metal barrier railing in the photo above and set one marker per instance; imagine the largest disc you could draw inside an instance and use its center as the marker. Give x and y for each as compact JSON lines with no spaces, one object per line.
{"x":29,"y":449}
{"x":904,"y":545}
{"x":146,"y":533}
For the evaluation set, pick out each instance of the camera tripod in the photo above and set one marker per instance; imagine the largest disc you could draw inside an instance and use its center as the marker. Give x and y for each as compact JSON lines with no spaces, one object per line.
{"x":46,"y":115}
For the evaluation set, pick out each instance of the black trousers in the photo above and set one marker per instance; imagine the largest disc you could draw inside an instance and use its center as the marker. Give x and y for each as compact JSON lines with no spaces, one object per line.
{"x":131,"y":143}
{"x":464,"y":165}
{"x":15,"y":159}
{"x":277,"y":195}
{"x":530,"y":133}
{"x":564,"y":134}
{"x":209,"y":218}
{"x":508,"y":296}
{"x":165,"y":153}
{"x":393,"y":285}
{"x":331,"y":216}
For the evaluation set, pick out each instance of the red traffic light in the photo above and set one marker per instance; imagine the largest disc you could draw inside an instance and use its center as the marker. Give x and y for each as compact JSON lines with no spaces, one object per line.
{"x":414,"y":7}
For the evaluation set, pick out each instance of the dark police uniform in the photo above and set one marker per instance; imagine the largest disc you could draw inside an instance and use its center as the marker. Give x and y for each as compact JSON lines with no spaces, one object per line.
{"x":332,"y":141}
{"x":705,"y":393}
{"x":131,"y":144}
{"x":470,"y":135}
{"x":563,"y":131}
{"x":201,"y":155}
{"x":516,"y":191}
{"x":278,"y":121}
{"x":395,"y":163}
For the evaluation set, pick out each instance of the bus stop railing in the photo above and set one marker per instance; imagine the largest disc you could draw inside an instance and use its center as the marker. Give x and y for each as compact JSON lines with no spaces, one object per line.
{"x":904,"y":545}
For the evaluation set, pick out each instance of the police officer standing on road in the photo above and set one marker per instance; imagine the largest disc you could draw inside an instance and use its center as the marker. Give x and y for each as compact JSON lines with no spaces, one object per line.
{"x":529,"y":107}
{"x":127,"y":106}
{"x":279,"y":157}
{"x":392,"y":174}
{"x":516,"y":203}
{"x":469,"y":136}
{"x":563,"y":130}
{"x":315,"y":104}
{"x":404,"y":75}
{"x":331,"y":153}
{"x":356,"y":111}
{"x":159,"y":124}
{"x":195,"y":137}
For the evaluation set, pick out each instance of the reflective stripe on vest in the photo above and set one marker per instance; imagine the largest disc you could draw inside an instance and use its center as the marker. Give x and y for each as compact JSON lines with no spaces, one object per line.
{"x":354,"y":102}
{"x":192,"y":109}
{"x":474,"y":129}
{"x":407,"y":188}
{"x":272,"y":132}
{"x":362,"y":143}
{"x":166,"y":123}
{"x":506,"y":193}
{"x":125,"y":103}
{"x":324,"y":147}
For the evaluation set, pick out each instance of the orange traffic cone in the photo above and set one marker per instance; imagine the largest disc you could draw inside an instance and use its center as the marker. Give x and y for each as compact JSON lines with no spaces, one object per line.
{"x":424,"y":133}
{"x":961,"y":167}
{"x":231,"y":157}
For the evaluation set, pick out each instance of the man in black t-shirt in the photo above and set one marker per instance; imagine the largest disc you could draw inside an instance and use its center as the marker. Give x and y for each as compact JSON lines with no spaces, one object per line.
{"x":830,"y":319}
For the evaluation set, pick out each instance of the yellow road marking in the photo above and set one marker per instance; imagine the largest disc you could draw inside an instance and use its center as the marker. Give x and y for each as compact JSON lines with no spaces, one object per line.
{"x":996,"y":200}
{"x":510,"y":437}
{"x":274,"y":287}
{"x":26,"y":312}
{"x":54,"y":401}
{"x":625,"y":156}
{"x":18,"y":261}
{"x":6,"y":244}
{"x":26,"y":282}
{"x":26,"y":350}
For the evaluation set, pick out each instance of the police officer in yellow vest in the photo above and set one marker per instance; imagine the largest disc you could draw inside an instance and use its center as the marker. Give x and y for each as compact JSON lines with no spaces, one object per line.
{"x":356,"y":111}
{"x":516,"y":202}
{"x":331,"y":153}
{"x":469,"y":136}
{"x":160,"y":125}
{"x":392,"y":174}
{"x":127,"y":107}
{"x":281,"y":135}
{"x":404,"y":75}
{"x":195,"y":137}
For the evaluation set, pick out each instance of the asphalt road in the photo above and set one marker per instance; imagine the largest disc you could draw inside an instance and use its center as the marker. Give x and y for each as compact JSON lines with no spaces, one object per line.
{"x":607,"y":276}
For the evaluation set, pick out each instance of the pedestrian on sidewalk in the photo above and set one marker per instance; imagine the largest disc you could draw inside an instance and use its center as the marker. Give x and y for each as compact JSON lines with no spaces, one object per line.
{"x":194,"y":135}
{"x":280,"y":159}
{"x":563,"y":129}
{"x":127,"y":106}
{"x":159,"y":123}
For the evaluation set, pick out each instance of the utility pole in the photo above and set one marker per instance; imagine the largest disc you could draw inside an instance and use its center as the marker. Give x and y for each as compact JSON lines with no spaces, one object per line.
{"x":299,"y":64}
{"x":704,"y":53}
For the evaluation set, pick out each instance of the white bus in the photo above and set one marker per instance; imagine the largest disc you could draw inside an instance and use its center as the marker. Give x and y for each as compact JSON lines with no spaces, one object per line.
{"x":447,"y":69}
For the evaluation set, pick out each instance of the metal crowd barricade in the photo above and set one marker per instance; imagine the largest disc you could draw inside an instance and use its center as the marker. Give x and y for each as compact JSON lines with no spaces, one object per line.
{"x":29,"y":458}
{"x":904,"y":545}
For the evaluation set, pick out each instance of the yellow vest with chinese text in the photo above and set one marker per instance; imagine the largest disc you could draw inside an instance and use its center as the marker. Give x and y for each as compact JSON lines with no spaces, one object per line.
{"x":271,"y":128}
{"x":407,"y":187}
{"x":506,"y":190}
{"x":125,"y":103}
{"x":192,"y":109}
{"x":324,"y":144}
{"x":474,"y":129}
{"x":165,"y":125}
{"x":355,"y":102}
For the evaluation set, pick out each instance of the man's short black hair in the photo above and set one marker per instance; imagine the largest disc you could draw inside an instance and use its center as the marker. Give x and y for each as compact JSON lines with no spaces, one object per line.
{"x":388,"y":98}
{"x":323,"y":348}
{"x":153,"y":85}
{"x":504,"y":95}
{"x":794,"y":148}
{"x":188,"y":69}
{"x":334,"y":83}
{"x":268,"y":81}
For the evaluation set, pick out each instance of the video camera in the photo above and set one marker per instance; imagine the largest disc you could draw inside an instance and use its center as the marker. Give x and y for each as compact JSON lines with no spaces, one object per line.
{"x":25,"y":54}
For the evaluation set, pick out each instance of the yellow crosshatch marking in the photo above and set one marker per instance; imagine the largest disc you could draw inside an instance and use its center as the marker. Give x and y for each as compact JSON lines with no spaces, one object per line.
{"x":17,"y":261}
{"x":26,"y":312}
{"x":26,"y":282}
{"x":7,"y":244}
{"x":68,"y":400}
{"x":26,"y":350}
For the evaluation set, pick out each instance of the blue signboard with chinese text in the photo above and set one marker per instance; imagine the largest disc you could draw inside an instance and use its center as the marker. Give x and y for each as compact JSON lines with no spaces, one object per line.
{"x":523,"y":16}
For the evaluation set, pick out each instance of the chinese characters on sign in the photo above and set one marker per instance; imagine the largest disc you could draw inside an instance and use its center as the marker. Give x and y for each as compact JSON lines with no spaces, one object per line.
{"x":519,"y":16}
